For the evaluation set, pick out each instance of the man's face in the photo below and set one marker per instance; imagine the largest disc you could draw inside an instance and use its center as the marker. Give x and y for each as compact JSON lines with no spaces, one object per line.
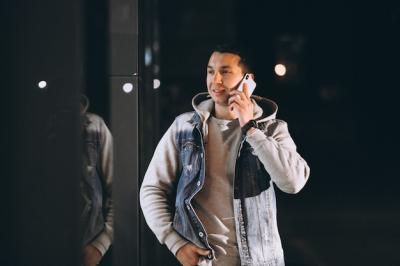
{"x":223,"y":75}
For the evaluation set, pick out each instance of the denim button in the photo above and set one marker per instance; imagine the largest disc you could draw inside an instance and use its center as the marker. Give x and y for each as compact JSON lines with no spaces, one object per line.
{"x":188,"y":206}
{"x":201,"y":234}
{"x":201,"y":155}
{"x":210,"y":256}
{"x":198,"y":183}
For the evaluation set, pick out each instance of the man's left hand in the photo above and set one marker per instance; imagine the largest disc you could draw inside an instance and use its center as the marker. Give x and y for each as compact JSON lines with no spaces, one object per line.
{"x":240,"y":104}
{"x":91,"y":256}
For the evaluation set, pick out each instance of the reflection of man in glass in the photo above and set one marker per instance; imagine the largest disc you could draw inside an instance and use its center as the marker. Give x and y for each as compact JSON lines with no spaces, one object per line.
{"x":97,"y":208}
{"x":221,"y":162}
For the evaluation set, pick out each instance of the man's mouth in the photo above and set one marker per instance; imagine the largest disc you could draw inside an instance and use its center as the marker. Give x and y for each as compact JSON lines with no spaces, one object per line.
{"x":218,"y":91}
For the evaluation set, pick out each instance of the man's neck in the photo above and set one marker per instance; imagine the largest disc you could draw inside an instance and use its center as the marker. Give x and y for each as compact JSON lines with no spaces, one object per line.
{"x":222,"y":112}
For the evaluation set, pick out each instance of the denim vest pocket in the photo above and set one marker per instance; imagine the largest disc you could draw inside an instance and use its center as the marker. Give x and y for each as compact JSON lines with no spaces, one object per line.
{"x":190,"y":158}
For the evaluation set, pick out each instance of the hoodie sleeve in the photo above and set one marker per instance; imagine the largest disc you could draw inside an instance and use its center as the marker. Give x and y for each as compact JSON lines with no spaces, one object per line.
{"x":156,"y":188}
{"x":277,"y":152}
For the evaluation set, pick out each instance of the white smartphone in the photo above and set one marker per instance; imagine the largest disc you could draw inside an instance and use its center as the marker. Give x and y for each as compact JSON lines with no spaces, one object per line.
{"x":251,"y":84}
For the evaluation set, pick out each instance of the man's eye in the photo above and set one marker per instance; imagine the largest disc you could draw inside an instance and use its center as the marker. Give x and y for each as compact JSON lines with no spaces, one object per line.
{"x":210,"y":72}
{"x":226,"y":72}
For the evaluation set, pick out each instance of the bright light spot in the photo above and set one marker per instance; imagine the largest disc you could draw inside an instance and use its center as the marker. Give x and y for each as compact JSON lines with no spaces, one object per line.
{"x":127,"y":87}
{"x":42,"y":84}
{"x":280,"y":70}
{"x":148,"y":57}
{"x":156,"y":83}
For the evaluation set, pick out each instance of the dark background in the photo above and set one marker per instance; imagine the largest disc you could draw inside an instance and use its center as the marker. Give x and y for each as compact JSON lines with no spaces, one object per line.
{"x":339,"y":98}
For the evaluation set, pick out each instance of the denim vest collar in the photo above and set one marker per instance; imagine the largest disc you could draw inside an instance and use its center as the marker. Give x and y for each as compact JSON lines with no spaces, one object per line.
{"x":195,"y":120}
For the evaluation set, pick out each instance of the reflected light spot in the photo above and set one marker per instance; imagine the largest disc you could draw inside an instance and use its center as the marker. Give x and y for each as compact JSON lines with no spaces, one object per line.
{"x":148,"y":57}
{"x":156,"y":83}
{"x":127,"y":87}
{"x":280,"y":70}
{"x":42,"y":84}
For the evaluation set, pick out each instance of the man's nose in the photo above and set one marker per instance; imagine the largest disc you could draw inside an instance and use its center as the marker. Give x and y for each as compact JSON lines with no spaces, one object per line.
{"x":217,"y":78}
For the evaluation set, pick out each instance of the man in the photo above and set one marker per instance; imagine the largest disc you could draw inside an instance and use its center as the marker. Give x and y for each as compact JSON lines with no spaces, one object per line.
{"x":95,"y":186}
{"x":221,"y":162}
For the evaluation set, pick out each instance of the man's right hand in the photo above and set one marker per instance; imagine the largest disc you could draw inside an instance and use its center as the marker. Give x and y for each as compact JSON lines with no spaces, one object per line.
{"x":189,"y":254}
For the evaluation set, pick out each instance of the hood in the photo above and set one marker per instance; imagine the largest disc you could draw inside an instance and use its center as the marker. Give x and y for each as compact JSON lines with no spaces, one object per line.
{"x":264,"y":109}
{"x":269,"y":108}
{"x":84,"y":104}
{"x":83,"y":107}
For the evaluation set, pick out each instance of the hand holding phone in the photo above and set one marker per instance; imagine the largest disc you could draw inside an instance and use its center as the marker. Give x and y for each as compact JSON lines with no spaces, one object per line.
{"x":251,"y":84}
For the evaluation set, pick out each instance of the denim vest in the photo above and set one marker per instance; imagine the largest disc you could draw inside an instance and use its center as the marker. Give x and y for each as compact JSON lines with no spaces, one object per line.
{"x":254,"y":199}
{"x":92,"y":220}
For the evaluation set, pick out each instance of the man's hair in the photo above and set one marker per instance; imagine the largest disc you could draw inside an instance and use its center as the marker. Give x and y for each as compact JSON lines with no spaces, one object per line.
{"x":246,"y":62}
